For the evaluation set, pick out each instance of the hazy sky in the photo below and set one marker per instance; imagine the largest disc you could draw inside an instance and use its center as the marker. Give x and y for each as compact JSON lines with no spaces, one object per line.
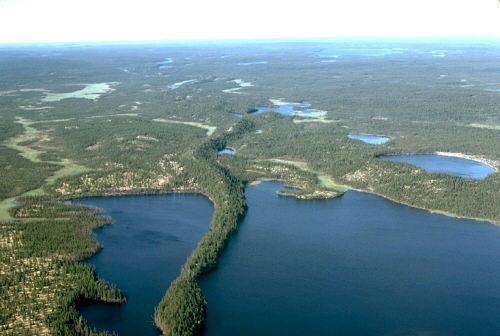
{"x":115,"y":20}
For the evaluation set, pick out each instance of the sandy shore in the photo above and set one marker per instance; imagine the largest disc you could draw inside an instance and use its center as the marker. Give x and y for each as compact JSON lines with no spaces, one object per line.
{"x":489,"y":162}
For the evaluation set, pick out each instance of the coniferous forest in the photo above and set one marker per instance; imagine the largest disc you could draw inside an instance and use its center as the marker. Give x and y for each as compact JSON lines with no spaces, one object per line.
{"x":147,"y":128}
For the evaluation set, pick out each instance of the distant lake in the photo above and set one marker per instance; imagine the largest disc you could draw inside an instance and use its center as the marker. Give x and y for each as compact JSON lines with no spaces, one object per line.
{"x":143,"y":251}
{"x":434,"y":163}
{"x":354,"y":265}
{"x":165,"y":63}
{"x":360,"y":52}
{"x":290,"y":109}
{"x":252,"y":63}
{"x":372,"y":139}
{"x":227,"y":151}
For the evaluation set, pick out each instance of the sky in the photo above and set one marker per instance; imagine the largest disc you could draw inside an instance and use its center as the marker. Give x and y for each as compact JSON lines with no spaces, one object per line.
{"x":23,"y":21}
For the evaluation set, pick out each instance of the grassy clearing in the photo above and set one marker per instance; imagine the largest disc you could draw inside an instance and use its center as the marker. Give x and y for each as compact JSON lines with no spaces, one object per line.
{"x":316,"y":120}
{"x":491,"y":127}
{"x":325,"y":180}
{"x":69,"y":168}
{"x":31,"y":134}
{"x":5,"y":206}
{"x":210,"y":129}
{"x":90,"y":91}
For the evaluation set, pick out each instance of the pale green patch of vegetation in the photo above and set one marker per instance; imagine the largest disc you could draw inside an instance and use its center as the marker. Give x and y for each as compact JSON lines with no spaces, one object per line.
{"x":210,"y":129}
{"x":35,"y":108}
{"x":316,"y":120}
{"x":179,"y":84}
{"x":492,"y":127}
{"x":69,"y":168}
{"x":325,"y":180}
{"x":30,"y":134}
{"x":114,"y":115}
{"x":5,"y":206}
{"x":90,"y":91}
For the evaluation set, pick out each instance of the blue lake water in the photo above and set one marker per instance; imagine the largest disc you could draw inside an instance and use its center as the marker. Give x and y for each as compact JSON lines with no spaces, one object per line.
{"x":371,"y":139}
{"x":355,"y":265}
{"x":143,"y":250}
{"x":433,"y":163}
{"x":288,"y":109}
{"x":227,"y":151}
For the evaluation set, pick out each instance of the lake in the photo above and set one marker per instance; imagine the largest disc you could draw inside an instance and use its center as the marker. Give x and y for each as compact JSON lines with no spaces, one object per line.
{"x":227,"y":151}
{"x":354,"y":265}
{"x":290,"y":109}
{"x":143,"y":250}
{"x":372,"y":139}
{"x":451,"y":165}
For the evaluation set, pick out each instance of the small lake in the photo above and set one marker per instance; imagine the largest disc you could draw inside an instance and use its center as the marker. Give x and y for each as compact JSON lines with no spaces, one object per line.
{"x":290,"y":109}
{"x":143,"y":250}
{"x":434,"y":163}
{"x":372,"y":139}
{"x":227,"y":151}
{"x":354,"y":265}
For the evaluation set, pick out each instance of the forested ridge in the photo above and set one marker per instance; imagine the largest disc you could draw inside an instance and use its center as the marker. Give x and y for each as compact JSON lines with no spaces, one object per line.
{"x":182,"y":309}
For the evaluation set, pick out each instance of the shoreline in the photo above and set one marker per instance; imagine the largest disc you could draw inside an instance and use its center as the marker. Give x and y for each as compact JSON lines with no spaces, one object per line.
{"x":494,"y":164}
{"x":433,"y":211}
{"x":350,"y":188}
{"x":304,"y":166}
{"x":490,"y":162}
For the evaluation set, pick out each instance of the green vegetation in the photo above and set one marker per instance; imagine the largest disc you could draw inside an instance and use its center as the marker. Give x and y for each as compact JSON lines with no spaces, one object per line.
{"x":116,"y":143}
{"x":39,"y":255}
{"x":182,"y":310}
{"x":356,"y":166}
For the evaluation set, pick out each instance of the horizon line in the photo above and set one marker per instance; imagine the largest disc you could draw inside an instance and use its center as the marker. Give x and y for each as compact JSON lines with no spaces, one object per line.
{"x":444,"y":38}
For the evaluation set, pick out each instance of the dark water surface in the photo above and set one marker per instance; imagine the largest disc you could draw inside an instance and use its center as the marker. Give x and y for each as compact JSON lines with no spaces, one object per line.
{"x":143,"y":251}
{"x":355,"y":265}
{"x":434,"y":163}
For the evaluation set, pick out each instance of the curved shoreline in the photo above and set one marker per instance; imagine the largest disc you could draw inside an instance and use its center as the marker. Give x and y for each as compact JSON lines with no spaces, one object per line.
{"x":350,"y":188}
{"x":303,"y":166}
{"x":489,"y":162}
{"x":168,"y":272}
{"x":434,"y":211}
